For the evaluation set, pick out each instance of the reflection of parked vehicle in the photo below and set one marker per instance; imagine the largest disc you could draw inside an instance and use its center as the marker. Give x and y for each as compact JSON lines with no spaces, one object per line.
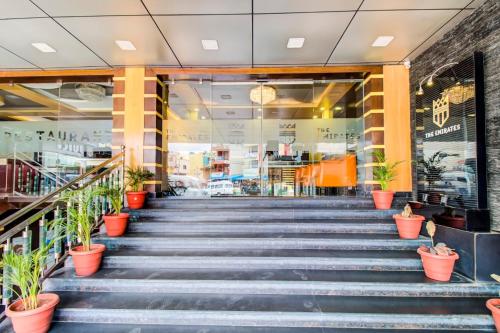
{"x":456,"y":182}
{"x":224,"y":187}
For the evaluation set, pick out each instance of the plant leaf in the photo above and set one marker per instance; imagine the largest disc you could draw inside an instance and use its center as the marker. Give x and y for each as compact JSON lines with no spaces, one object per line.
{"x":431,"y":228}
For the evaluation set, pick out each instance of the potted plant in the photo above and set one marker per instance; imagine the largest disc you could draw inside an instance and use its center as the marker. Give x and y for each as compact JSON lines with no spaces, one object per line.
{"x":433,"y":172}
{"x":136,"y":177}
{"x":438,"y":260}
{"x":408,"y":224}
{"x":116,"y":223}
{"x":33,"y":311}
{"x":82,"y":220}
{"x":494,"y":305}
{"x":384,"y":173}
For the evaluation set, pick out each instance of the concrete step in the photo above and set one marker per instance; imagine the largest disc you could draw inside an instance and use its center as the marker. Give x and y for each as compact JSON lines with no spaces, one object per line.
{"x":268,"y":282}
{"x":333,"y":242}
{"x":260,"y":214}
{"x":341,"y":226}
{"x":266,"y":202}
{"x":275,"y":310}
{"x":78,"y":327}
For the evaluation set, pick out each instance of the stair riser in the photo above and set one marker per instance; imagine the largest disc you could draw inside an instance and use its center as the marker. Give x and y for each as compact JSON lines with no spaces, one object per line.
{"x":260,"y":244}
{"x":230,"y":228}
{"x":260,"y":263}
{"x":262,"y":215}
{"x":361,"y":289}
{"x":275,"y":319}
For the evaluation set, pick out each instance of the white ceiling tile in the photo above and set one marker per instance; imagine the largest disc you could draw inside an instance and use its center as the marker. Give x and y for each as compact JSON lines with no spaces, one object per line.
{"x":151,"y":48}
{"x":199,"y":6}
{"x":19,"y":9}
{"x":11,"y":61}
{"x":232,"y":32}
{"x":320,"y":30}
{"x":409,"y":28}
{"x":287,"y":6}
{"x":450,"y":25}
{"x":91,"y":7}
{"x":18,"y":35}
{"x":413,"y":4}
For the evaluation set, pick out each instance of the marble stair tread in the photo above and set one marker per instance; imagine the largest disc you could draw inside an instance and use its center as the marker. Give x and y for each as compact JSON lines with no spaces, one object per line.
{"x":214,"y":235}
{"x":301,"y":275}
{"x":300,"y":253}
{"x":275,"y":221}
{"x":355,"y":242}
{"x":247,"y":227}
{"x":273,"y":303}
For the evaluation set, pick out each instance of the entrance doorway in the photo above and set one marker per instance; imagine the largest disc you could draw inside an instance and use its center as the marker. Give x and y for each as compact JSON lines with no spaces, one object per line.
{"x":278,"y":138}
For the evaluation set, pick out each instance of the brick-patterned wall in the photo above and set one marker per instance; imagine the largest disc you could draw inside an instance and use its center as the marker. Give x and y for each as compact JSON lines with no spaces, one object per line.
{"x":478,"y":32}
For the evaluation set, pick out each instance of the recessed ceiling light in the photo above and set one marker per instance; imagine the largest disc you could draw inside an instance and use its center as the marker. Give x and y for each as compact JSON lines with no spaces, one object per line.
{"x":382,"y":41}
{"x":196,"y":109}
{"x":322,"y":108}
{"x":295,"y":42}
{"x":125,"y":45}
{"x":226,"y":96}
{"x":259,"y":109}
{"x":43,"y":47}
{"x":338,"y":108}
{"x":203,"y":117}
{"x":315,"y":117}
{"x":210,"y":44}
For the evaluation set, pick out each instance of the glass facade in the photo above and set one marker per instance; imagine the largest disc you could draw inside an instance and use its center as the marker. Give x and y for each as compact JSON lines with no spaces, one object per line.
{"x":51,"y":133}
{"x":286,"y":138}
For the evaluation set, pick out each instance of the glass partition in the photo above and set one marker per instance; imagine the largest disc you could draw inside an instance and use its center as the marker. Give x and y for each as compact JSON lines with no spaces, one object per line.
{"x":285,"y":138}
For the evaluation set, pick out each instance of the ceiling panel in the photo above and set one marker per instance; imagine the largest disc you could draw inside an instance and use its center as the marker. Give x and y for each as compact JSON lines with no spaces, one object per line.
{"x":70,"y":52}
{"x":18,"y":9}
{"x":429,"y":42}
{"x":11,"y":61}
{"x":287,"y":6}
{"x":91,"y":7}
{"x":199,"y":6}
{"x":140,"y":30}
{"x":320,"y":30}
{"x":409,"y":28}
{"x":413,"y":4}
{"x":233,"y":33}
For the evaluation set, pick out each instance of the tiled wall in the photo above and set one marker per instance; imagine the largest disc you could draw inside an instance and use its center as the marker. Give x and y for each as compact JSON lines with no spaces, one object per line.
{"x":478,"y":32}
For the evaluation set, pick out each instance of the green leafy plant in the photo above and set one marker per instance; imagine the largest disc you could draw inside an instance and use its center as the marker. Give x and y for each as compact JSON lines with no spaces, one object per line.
{"x":385,"y":172}
{"x":136,"y":176}
{"x":25,"y":271}
{"x":432,"y":168}
{"x":115,"y":195}
{"x":81,"y":214}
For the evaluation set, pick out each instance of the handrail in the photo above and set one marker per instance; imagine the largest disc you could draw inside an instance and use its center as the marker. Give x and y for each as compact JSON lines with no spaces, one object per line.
{"x":47,"y":197}
{"x":39,"y":167}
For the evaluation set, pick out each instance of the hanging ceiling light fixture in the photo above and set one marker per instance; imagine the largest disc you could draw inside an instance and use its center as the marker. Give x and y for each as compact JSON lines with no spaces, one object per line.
{"x":430,"y":78}
{"x":263,"y":94}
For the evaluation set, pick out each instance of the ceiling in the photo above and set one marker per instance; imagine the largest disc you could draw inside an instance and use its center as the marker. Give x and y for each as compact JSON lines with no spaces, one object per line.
{"x":249,"y":32}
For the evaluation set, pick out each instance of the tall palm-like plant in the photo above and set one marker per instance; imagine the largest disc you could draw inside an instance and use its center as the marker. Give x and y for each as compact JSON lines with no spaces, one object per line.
{"x":385,"y":172}
{"x":136,"y":176}
{"x":432,"y":168}
{"x":114,"y":193}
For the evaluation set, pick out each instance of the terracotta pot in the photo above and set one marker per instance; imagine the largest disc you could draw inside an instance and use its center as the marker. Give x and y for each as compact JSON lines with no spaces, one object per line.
{"x":87,"y":262}
{"x":457,"y":221}
{"x":383,"y":199}
{"x":136,"y":200}
{"x":494,"y":306}
{"x":437,"y":267}
{"x":116,"y":224}
{"x":409,"y":227}
{"x":33,"y":321}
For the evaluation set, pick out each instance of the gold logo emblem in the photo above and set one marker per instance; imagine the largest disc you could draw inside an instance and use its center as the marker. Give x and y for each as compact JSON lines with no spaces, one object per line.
{"x":441,"y":110}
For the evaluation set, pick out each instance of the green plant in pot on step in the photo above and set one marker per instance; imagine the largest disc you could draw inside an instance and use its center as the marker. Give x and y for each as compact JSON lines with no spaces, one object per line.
{"x":384,"y":173}
{"x":135,"y":179}
{"x":408,"y":224}
{"x":33,"y":311}
{"x":116,"y":222}
{"x":438,"y":260}
{"x":82,"y":219}
{"x":494,"y":305}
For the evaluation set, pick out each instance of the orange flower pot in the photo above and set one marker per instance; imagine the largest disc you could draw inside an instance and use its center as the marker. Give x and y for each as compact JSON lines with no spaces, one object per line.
{"x":136,"y":200}
{"x":87,"y":262}
{"x":116,"y":224}
{"x":409,"y":227}
{"x":33,"y":321}
{"x":494,"y":306}
{"x":383,"y":199}
{"x":437,"y":267}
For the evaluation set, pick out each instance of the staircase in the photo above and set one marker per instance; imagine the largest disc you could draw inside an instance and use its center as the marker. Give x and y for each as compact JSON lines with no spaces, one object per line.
{"x":265,"y":265}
